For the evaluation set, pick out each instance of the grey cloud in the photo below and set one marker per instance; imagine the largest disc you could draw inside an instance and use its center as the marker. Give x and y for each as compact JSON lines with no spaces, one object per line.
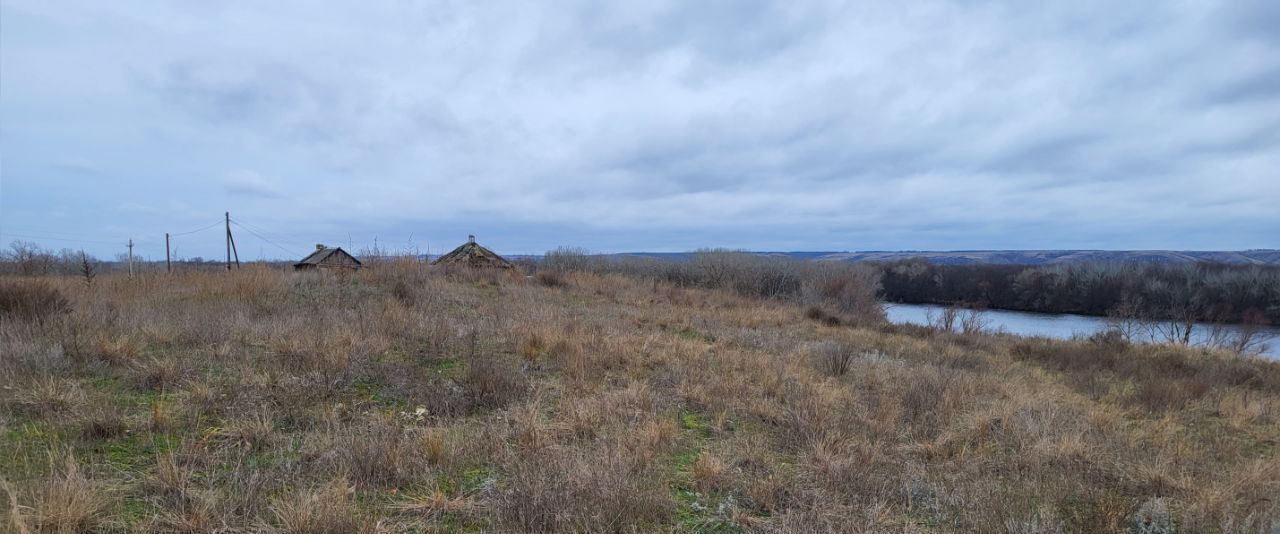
{"x":252,"y":184}
{"x":932,"y":124}
{"x":1263,"y":86}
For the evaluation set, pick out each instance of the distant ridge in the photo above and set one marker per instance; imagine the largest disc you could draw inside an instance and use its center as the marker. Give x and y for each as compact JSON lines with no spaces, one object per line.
{"x":1028,"y":257}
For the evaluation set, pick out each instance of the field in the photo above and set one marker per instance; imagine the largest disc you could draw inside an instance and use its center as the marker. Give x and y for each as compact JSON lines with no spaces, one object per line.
{"x":408,"y":399}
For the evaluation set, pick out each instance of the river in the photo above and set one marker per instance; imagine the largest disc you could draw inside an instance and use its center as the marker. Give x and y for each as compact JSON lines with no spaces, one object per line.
{"x":1065,"y":326}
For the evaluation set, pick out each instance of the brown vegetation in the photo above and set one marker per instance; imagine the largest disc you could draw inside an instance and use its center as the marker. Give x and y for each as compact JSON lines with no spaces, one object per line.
{"x":405,"y":398}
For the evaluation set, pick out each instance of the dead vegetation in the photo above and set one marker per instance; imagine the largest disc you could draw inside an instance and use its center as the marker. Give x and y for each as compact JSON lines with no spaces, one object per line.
{"x":405,"y":398}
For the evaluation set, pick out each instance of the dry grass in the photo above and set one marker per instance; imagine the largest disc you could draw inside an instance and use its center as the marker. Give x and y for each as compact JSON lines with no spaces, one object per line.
{"x":411,"y":399}
{"x":65,"y":501}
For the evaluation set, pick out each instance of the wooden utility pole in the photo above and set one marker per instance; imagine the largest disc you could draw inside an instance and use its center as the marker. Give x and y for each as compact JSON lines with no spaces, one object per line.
{"x":228,"y":241}
{"x":231,"y":244}
{"x":168,"y":266}
{"x":130,"y":257}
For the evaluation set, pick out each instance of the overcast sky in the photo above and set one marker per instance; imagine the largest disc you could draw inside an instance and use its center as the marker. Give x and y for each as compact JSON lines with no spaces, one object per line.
{"x":625,"y":126}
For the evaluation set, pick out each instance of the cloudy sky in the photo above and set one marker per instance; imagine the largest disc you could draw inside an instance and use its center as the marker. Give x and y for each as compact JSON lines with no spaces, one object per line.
{"x":640,"y":125}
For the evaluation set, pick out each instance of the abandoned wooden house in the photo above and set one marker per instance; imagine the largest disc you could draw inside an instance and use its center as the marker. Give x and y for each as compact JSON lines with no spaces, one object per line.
{"x":327,"y":258}
{"x":471,"y":254}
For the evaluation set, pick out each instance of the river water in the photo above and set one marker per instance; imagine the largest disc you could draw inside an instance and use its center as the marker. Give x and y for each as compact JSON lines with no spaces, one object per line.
{"x":1065,"y":326}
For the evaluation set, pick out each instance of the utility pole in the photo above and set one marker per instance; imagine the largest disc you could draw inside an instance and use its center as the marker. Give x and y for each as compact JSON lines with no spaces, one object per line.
{"x":131,"y":257}
{"x":231,"y":244}
{"x":168,"y":267}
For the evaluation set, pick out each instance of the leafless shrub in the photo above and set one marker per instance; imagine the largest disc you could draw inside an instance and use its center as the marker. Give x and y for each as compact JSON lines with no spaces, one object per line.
{"x":372,"y":454}
{"x":551,"y":278}
{"x":973,"y":322}
{"x":573,"y":491}
{"x":818,"y":314}
{"x":493,"y":381}
{"x":832,"y":358}
{"x":851,"y":288}
{"x":566,"y":259}
{"x":943,"y":319}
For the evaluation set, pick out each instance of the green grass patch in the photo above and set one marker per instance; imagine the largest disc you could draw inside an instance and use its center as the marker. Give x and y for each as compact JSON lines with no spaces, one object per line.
{"x":689,"y":332}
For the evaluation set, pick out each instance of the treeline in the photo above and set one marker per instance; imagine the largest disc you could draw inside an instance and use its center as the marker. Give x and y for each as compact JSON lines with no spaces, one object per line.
{"x":30,"y":259}
{"x":847,"y":289}
{"x":1201,"y":292}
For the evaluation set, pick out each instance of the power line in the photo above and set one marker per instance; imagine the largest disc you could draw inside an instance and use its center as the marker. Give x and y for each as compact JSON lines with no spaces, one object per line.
{"x":268,"y":241}
{"x":215,"y":223}
{"x":276,"y":235}
{"x":93,"y":241}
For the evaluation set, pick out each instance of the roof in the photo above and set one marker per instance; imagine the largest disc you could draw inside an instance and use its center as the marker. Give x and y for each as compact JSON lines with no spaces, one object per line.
{"x":471,"y":254}
{"x":318,"y":257}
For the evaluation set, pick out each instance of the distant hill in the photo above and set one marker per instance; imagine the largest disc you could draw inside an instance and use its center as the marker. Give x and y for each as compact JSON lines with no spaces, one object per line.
{"x":1027,"y":257}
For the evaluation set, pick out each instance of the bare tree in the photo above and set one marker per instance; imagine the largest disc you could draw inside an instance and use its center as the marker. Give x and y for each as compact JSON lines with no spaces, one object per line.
{"x":974,"y":321}
{"x":944,"y":320}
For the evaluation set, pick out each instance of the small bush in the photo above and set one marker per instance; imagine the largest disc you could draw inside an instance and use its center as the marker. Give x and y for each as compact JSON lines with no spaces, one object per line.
{"x":833,"y":359}
{"x":551,"y":278}
{"x":372,"y":454}
{"x":571,"y":491}
{"x":32,"y":300}
{"x":494,"y":382}
{"x":818,"y":314}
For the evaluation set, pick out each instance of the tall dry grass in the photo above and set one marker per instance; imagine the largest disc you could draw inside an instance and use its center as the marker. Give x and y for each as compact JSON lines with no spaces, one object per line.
{"x":405,"y":398}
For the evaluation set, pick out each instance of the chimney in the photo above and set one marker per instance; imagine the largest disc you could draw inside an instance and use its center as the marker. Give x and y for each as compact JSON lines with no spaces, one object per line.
{"x":471,"y":238}
{"x":319,"y":246}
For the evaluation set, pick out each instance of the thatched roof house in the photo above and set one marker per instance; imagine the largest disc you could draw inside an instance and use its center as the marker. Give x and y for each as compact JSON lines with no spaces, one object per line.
{"x":328,"y":258}
{"x":471,"y":254}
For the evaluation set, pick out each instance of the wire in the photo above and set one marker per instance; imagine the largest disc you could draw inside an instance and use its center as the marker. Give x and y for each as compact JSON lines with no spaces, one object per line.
{"x":275,"y":235}
{"x":268,"y":241}
{"x":65,"y":239}
{"x":197,"y":230}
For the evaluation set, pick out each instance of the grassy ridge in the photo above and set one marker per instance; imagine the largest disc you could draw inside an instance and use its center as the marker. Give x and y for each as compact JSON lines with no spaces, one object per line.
{"x":405,"y":399}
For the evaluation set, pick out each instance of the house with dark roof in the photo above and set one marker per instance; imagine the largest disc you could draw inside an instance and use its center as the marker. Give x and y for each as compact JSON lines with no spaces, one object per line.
{"x":327,"y":258}
{"x":471,"y":254}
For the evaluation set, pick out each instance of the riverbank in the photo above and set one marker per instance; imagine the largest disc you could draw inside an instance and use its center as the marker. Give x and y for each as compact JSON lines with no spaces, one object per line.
{"x":1266,"y":339}
{"x":405,"y":398}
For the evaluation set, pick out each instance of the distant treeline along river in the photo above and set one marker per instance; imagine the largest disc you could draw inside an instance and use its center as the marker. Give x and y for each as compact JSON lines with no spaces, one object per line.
{"x":1067,"y":326}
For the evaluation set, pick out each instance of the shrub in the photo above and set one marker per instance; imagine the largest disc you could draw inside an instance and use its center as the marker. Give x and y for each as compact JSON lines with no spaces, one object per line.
{"x":551,"y":278}
{"x":494,"y":382}
{"x":372,"y":454}
{"x":566,"y":259}
{"x":572,"y":491}
{"x":818,"y":314}
{"x":31,"y":300}
{"x":833,"y":359}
